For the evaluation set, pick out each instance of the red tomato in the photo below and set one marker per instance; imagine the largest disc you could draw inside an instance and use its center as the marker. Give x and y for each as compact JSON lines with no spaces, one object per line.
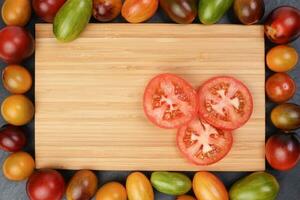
{"x":47,"y":9}
{"x":225,"y":103}
{"x":46,"y":184}
{"x":283,"y":151}
{"x":12,"y":138}
{"x":16,"y":44}
{"x":203,"y":144}
{"x":170,"y":101}
{"x":280,"y":87}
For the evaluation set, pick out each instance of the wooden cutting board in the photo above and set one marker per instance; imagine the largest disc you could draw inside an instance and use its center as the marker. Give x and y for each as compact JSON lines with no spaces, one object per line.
{"x":88,"y":94}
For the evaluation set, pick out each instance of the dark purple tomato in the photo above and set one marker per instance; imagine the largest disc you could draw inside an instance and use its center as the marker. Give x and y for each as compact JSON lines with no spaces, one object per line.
{"x":249,"y":11}
{"x":106,"y":10}
{"x":283,"y":151}
{"x":46,"y":184}
{"x":286,"y":116}
{"x":47,"y":9}
{"x":12,"y":138}
{"x":283,"y":25}
{"x":16,"y":44}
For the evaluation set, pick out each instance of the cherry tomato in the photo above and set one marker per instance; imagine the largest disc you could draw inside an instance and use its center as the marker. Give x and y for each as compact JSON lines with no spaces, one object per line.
{"x":45,"y":184}
{"x":16,"y":79}
{"x":282,"y":58}
{"x":16,"y":44}
{"x":170,"y":101}
{"x":185,"y":197}
{"x":17,"y":110}
{"x":286,"y":116}
{"x":12,"y":138}
{"x":280,"y":87}
{"x":139,"y":187}
{"x":16,"y":12}
{"x":202,"y":144}
{"x":47,"y":9}
{"x":283,"y":151}
{"x":18,"y":166}
{"x":112,"y":191}
{"x":225,"y":102}
{"x":136,"y":11}
{"x":249,"y":11}
{"x":283,"y":25}
{"x":106,"y":10}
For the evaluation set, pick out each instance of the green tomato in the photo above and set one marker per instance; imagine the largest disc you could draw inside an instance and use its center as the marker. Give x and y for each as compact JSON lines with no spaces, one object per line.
{"x":171,"y":183}
{"x":211,"y":11}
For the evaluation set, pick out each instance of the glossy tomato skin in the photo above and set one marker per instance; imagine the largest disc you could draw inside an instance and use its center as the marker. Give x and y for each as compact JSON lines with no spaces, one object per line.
{"x":280,"y":87}
{"x":16,"y":12}
{"x":47,"y":9}
{"x":106,"y":10}
{"x":185,"y":197}
{"x":207,"y":186}
{"x":249,"y":11}
{"x":12,"y":138}
{"x":45,"y":184}
{"x":136,"y":11}
{"x":283,"y":151}
{"x":112,"y":191}
{"x":139,"y":187}
{"x":16,"y":44}
{"x":286,"y":116}
{"x":283,"y":25}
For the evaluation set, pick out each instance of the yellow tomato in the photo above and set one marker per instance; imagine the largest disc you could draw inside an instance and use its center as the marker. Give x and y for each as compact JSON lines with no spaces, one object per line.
{"x":139,"y":187}
{"x":112,"y":191}
{"x":18,"y":166}
{"x":207,"y":186}
{"x":16,"y":12}
{"x":17,"y":110}
{"x":185,"y":197}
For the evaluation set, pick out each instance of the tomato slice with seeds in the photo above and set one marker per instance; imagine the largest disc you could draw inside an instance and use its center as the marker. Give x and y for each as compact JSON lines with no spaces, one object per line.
{"x":170,"y":101}
{"x":202,"y":144}
{"x":225,"y":103}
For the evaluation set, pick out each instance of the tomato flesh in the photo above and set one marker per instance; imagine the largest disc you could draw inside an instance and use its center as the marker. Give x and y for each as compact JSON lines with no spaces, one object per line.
{"x":203,"y":144}
{"x":170,"y":101}
{"x":225,"y":103}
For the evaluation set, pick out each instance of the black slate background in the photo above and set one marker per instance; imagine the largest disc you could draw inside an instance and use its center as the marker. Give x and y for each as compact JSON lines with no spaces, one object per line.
{"x":289,"y":181}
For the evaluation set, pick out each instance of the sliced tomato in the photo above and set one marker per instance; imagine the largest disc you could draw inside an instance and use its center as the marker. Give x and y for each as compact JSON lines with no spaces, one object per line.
{"x":203,"y":144}
{"x":170,"y":101}
{"x":225,"y":102}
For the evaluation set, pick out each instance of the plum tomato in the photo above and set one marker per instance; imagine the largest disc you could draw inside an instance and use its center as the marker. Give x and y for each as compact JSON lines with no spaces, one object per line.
{"x":283,"y":25}
{"x":286,"y":116}
{"x":282,"y":58}
{"x":170,"y":101}
{"x":47,"y":9}
{"x":249,"y":11}
{"x":16,"y":12}
{"x":185,"y":197}
{"x":280,"y":87}
{"x":283,"y":151}
{"x":112,"y":191}
{"x":16,"y":44}
{"x":45,"y":184}
{"x":18,"y":166}
{"x":225,"y":102}
{"x":139,"y":187}
{"x":16,"y":79}
{"x":202,"y":144}
{"x":106,"y":10}
{"x":12,"y":138}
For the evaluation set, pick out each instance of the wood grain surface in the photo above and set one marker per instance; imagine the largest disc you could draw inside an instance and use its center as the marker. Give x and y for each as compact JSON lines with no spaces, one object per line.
{"x":88,"y":94}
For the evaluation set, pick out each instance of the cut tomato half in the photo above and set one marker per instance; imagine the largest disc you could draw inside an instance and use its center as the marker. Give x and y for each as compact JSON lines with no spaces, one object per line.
{"x":225,"y":103}
{"x":202,"y":144}
{"x":170,"y":101}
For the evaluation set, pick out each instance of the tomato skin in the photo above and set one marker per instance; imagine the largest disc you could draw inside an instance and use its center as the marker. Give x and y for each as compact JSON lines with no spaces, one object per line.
{"x":16,"y":44}
{"x":139,"y":187}
{"x":283,"y":151}
{"x":249,"y":11}
{"x":280,"y":87}
{"x":16,"y":12}
{"x":207,"y":186}
{"x":286,"y":116}
{"x":47,"y":9}
{"x":45,"y":184}
{"x":136,"y":11}
{"x":112,"y":191}
{"x":106,"y":10}
{"x":12,"y":138}
{"x":185,"y":197}
{"x":283,"y":25}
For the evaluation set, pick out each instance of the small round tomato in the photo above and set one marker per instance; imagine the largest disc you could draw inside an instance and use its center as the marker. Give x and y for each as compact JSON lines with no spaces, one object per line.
{"x":17,"y":110}
{"x":185,"y":197}
{"x":16,"y":44}
{"x":112,"y":191}
{"x":202,"y":144}
{"x":280,"y":87}
{"x":207,"y":186}
{"x":106,"y":10}
{"x":12,"y":138}
{"x":139,"y":11}
{"x":18,"y":166}
{"x":139,"y":187}
{"x":16,"y":12}
{"x":283,"y":151}
{"x":170,"y":101}
{"x":16,"y":79}
{"x":225,"y":102}
{"x":46,"y":184}
{"x":282,"y":58}
{"x":47,"y":9}
{"x":286,"y":116}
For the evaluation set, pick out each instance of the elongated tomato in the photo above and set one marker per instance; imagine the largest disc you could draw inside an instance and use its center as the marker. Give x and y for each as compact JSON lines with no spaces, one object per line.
{"x":170,"y":101}
{"x":202,"y":144}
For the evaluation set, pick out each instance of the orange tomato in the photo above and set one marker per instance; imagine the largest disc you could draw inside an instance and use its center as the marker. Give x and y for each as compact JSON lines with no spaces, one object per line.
{"x":138,"y":187}
{"x":207,"y":186}
{"x":112,"y":191}
{"x":185,"y":197}
{"x":16,"y":12}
